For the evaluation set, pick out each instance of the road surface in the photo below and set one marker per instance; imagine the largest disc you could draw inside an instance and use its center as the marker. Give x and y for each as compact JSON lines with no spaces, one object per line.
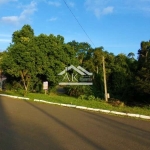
{"x":26,"y":125}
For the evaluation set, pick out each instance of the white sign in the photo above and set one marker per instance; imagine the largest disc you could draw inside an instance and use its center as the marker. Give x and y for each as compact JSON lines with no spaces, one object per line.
{"x":86,"y":78}
{"x":45,"y":85}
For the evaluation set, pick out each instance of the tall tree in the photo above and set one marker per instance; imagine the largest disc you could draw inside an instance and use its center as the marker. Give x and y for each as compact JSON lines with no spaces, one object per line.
{"x":118,"y":78}
{"x":18,"y":61}
{"x":131,"y":55}
{"x":143,"y":72}
{"x":81,"y":50}
{"x":56,"y":55}
{"x":35,"y":59}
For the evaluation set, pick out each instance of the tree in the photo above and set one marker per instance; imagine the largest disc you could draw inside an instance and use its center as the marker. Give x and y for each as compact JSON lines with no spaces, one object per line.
{"x":118,"y":76}
{"x":93,"y":63}
{"x":34,"y":59}
{"x":31,"y":59}
{"x":131,"y":55}
{"x":81,"y":50}
{"x":143,"y":70}
{"x":56,"y":55}
{"x":18,"y":61}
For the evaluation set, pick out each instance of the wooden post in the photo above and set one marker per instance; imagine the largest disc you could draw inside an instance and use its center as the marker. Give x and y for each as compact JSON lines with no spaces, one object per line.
{"x":45,"y":92}
{"x":105,"y":85}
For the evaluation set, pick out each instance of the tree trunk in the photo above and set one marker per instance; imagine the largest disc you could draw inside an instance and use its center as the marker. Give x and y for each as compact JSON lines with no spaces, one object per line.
{"x":25,"y":80}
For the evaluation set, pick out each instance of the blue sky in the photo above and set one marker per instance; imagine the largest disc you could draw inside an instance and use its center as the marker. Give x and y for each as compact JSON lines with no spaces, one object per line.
{"x":117,"y":25}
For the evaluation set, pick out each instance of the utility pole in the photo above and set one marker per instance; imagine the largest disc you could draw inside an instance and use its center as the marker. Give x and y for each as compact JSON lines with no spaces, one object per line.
{"x":105,"y":85}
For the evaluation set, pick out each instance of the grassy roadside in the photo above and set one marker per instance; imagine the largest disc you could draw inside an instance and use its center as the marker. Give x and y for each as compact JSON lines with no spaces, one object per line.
{"x":87,"y":103}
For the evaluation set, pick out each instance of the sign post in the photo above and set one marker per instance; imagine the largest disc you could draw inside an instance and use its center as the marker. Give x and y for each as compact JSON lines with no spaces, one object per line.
{"x":45,"y":86}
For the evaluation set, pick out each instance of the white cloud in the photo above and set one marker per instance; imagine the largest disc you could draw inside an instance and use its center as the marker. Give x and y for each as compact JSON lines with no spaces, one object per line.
{"x":105,"y":7}
{"x":141,"y":7}
{"x":5,"y":40}
{"x":10,"y":19}
{"x":29,"y":10}
{"x":146,"y":9}
{"x":108,"y":10}
{"x":52,"y":19}
{"x":23,"y":17}
{"x":5,"y":35}
{"x":137,"y":5}
{"x":145,"y":0}
{"x":71,"y":4}
{"x":144,"y":6}
{"x":3,"y":1}
{"x":56,"y":3}
{"x":6,"y":1}
{"x":99,"y":7}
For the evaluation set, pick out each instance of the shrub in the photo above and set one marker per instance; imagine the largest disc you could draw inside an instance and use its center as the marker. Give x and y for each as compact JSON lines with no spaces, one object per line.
{"x":82,"y":97}
{"x":78,"y":90}
{"x":91,"y":97}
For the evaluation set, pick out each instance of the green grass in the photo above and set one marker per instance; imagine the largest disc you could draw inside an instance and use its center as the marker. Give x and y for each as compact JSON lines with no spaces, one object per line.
{"x":87,"y":103}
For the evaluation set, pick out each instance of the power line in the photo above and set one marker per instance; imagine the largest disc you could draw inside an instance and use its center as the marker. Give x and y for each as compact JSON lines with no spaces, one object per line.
{"x":78,"y":22}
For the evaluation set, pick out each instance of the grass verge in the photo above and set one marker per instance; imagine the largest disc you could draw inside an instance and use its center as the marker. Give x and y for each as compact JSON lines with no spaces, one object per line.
{"x":87,"y":103}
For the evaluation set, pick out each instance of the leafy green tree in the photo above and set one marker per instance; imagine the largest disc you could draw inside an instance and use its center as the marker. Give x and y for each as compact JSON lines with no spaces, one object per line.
{"x":93,"y":63}
{"x":143,"y":72}
{"x":131,"y":55}
{"x":55,"y":56}
{"x":30,"y":59}
{"x":93,"y":60}
{"x":81,"y":50}
{"x":18,"y":61}
{"x":118,"y":76}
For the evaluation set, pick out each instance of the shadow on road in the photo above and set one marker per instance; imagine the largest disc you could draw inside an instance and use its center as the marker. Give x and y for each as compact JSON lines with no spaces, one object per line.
{"x":7,"y":135}
{"x":25,"y":125}
{"x":137,"y":130}
{"x":72,"y":130}
{"x":19,"y":133}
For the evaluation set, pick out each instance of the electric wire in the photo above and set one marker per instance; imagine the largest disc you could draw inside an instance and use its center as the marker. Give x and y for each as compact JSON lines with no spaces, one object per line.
{"x":79,"y":23}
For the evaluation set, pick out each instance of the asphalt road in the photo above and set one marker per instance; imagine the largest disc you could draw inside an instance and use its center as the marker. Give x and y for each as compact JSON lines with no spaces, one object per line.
{"x":26,"y":125}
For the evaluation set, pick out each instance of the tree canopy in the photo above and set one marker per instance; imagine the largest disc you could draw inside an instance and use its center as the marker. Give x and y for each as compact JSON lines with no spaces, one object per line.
{"x":33,"y":59}
{"x":30,"y":60}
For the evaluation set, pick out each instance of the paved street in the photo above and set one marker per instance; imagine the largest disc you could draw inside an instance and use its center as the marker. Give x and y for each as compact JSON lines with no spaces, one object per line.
{"x":26,"y":125}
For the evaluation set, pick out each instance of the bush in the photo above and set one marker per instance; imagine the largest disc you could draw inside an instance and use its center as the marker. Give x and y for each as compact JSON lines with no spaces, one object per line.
{"x":91,"y":97}
{"x":116,"y":102}
{"x":78,"y":90}
{"x":82,"y":97}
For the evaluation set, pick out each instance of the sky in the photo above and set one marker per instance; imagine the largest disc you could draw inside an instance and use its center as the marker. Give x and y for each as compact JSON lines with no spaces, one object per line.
{"x":117,"y":25}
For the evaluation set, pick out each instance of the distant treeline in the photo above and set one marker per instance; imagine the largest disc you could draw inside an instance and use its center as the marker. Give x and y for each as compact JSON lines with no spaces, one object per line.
{"x":30,"y":60}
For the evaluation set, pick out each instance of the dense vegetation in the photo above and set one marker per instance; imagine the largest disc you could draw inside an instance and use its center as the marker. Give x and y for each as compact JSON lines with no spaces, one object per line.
{"x":30,"y":60}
